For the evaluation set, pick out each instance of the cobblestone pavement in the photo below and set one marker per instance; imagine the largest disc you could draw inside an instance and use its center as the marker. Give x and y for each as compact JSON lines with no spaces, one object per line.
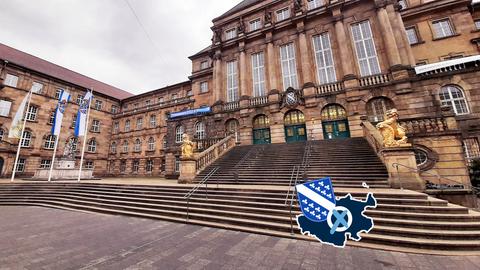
{"x":42,"y":238}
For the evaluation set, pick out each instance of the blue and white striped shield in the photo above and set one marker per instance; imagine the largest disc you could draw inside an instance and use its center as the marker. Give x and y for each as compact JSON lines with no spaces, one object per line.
{"x":316,"y":199}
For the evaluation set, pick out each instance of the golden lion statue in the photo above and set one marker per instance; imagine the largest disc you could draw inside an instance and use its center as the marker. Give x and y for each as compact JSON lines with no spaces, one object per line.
{"x":393,"y":134}
{"x":187,"y":147}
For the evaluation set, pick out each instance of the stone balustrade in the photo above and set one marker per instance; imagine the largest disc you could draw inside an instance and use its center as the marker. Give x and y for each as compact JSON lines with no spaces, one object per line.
{"x":206,"y":143}
{"x":374,"y":80}
{"x":424,"y":125}
{"x":330,"y":88}
{"x":214,"y":152}
{"x":258,"y":101}
{"x":231,"y":106}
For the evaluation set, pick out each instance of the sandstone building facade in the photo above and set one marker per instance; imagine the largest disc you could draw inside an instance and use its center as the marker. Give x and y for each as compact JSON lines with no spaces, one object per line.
{"x":289,"y":71}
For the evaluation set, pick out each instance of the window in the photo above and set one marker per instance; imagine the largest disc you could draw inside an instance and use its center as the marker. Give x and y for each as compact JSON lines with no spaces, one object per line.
{"x":95,"y":126}
{"x":127,"y":126}
{"x":454,"y":97}
{"x":313,"y":4}
{"x":116,"y":127}
{"x":232,"y":81}
{"x":5,"y":107}
{"x":333,"y":112}
{"x":149,"y":166}
{"x":32,"y":113}
{"x":80,"y":99}
{"x":98,"y":105}
{"x":204,"y":65}
{"x":421,"y":157}
{"x":231,"y":33}
{"x":135,"y":106}
{"x":139,"y":123}
{"x":45,"y":164}
{"x":135,"y":166}
{"x":295,"y":117}
{"x":189,"y":93}
{"x":21,"y":165}
{"x":1,"y":134}
{"x":231,"y":127}
{"x":113,"y":148}
{"x":37,"y":87}
{"x":255,"y":25}
{"x":123,"y":166}
{"x":200,"y":131}
{"x":114,"y":109}
{"x":161,"y":99}
{"x":412,"y":35}
{"x":147,"y":103}
{"x":125,"y":146}
{"x":289,"y":66}
{"x":11,"y":80}
{"x":153,"y":121}
{"x":177,"y":164}
{"x":51,"y":119}
{"x":137,"y":147}
{"x":324,"y":59}
{"x":471,"y":147}
{"x":49,"y":142}
{"x":377,"y":107}
{"x":403,"y":4}
{"x":203,"y":87}
{"x":57,"y":93}
{"x":179,"y":134}
{"x":92,"y":146}
{"x":164,"y":143}
{"x":26,"y":139}
{"x":283,"y":14}
{"x":89,"y":165}
{"x":365,"y":48}
{"x":442,"y":28}
{"x":174,"y":96}
{"x":261,"y":121}
{"x":258,"y":74}
{"x":151,"y":144}
{"x":477,"y":24}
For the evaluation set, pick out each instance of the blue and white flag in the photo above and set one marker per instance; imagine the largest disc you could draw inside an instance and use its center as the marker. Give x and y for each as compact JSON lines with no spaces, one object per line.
{"x":316,"y":199}
{"x":62,"y":104}
{"x":81,"y":123}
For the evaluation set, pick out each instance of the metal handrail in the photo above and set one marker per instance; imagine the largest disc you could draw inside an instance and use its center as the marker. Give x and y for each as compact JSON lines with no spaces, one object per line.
{"x":439,"y":177}
{"x":254,"y":151}
{"x":194,"y":189}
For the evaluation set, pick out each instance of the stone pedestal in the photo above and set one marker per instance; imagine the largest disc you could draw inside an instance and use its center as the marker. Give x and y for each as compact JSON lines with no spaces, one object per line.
{"x":64,"y":169}
{"x":188,"y":169}
{"x":402,"y":177}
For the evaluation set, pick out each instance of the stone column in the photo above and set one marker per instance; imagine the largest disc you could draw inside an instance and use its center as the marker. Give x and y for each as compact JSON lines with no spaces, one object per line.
{"x":400,"y":35}
{"x":306,"y":64}
{"x":217,"y":77}
{"x":388,"y":38}
{"x":243,"y":73}
{"x":272,"y":67}
{"x":346,"y":53}
{"x":408,"y":49}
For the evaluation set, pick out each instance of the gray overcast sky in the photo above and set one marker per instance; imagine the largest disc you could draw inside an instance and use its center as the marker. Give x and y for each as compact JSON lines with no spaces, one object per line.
{"x":103,"y":40}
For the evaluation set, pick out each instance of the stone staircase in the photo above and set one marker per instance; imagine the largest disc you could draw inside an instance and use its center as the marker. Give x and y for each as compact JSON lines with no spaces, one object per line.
{"x":349,"y":162}
{"x":405,"y":221}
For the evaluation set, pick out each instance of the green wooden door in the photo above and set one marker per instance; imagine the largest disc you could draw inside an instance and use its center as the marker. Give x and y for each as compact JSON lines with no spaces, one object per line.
{"x":261,"y":136}
{"x":336,"y":129}
{"x":296,"y":133}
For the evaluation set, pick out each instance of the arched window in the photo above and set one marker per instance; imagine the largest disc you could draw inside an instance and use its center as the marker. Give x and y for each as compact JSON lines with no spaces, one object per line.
{"x":179,"y":134}
{"x":333,"y":112}
{"x":26,"y":139}
{"x":113,"y":148}
{"x":127,"y":126}
{"x":164,"y":142}
{"x":200,"y":131}
{"x":453,"y":96}
{"x":151,"y":144}
{"x":92,"y":146}
{"x":295,"y":117}
{"x":49,"y":142}
{"x":1,"y":134}
{"x":261,"y":121}
{"x":137,"y":146}
{"x":231,"y":127}
{"x":377,"y":107}
{"x":125,"y":146}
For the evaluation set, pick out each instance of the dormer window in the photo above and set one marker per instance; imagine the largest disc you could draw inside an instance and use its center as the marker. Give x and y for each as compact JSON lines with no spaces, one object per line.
{"x":231,"y":34}
{"x":204,"y":65}
{"x":283,"y":14}
{"x":255,"y":25}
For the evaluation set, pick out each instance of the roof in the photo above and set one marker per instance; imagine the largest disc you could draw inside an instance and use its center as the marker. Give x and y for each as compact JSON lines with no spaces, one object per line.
{"x":446,"y":64}
{"x":207,"y":49}
{"x":42,"y":66}
{"x":239,"y":7}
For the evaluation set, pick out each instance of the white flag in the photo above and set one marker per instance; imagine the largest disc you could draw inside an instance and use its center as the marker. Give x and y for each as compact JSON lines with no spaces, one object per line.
{"x":81,"y":123}
{"x":62,"y":104}
{"x":17,"y":123}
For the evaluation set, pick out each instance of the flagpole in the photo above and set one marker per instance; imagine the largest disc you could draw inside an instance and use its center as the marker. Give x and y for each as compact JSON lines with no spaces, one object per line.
{"x":53,"y":157}
{"x":85,"y":138}
{"x":30,"y":93}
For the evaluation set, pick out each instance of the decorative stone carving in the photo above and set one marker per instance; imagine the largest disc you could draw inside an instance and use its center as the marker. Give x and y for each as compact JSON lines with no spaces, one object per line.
{"x":297,"y":6}
{"x":393,"y":134}
{"x":68,"y":151}
{"x":268,"y":17}
{"x":187,"y":147}
{"x":241,"y":27}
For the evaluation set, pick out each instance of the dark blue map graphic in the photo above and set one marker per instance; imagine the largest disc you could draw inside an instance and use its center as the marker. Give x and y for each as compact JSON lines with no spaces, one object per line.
{"x":327,"y":234}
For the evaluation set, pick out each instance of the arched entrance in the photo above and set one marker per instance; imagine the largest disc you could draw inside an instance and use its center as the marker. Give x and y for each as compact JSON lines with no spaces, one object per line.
{"x":261,"y":130}
{"x":335,"y":122}
{"x":295,"y":128}
{"x":1,"y":166}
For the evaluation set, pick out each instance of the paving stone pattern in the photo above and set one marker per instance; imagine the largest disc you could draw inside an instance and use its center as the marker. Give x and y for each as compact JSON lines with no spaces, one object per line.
{"x":42,"y":238}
